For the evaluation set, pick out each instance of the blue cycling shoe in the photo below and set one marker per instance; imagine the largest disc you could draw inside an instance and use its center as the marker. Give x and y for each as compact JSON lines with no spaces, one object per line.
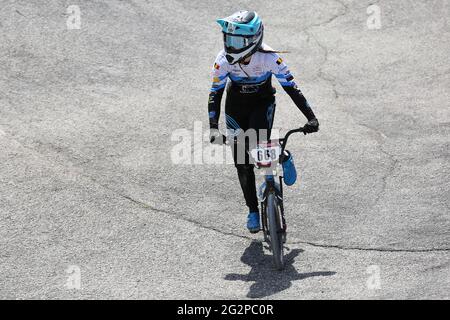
{"x":289,"y":171}
{"x":253,"y":222}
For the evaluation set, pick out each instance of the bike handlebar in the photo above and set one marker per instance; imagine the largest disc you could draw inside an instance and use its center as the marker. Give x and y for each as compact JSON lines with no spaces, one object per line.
{"x":283,"y":141}
{"x":286,"y":137}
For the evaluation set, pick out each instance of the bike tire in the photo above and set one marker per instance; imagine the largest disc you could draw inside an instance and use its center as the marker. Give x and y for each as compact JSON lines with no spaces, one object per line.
{"x":275,"y":231}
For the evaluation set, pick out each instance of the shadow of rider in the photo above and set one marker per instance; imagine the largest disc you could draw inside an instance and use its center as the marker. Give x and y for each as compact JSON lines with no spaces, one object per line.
{"x":267,"y":280}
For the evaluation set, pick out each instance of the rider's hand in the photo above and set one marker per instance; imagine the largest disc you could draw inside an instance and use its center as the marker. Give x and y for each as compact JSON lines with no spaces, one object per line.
{"x":214,"y":136}
{"x":311,"y":126}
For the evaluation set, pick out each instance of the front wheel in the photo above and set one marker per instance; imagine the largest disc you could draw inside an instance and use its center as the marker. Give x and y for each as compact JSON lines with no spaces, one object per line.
{"x":275,"y":230}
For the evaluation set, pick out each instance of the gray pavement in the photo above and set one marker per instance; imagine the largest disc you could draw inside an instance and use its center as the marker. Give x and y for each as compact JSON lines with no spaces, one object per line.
{"x":91,"y":205}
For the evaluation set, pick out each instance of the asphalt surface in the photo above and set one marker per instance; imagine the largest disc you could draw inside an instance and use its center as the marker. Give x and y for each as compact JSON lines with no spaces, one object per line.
{"x":86,"y":135}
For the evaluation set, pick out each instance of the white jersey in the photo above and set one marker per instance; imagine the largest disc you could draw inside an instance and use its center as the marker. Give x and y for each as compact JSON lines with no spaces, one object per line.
{"x":253,"y":77}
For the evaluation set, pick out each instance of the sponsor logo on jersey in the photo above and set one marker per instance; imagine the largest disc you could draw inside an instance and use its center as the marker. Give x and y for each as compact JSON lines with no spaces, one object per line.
{"x":216,"y":66}
{"x":258,"y":69}
{"x":279,"y":61}
{"x":216,"y":79}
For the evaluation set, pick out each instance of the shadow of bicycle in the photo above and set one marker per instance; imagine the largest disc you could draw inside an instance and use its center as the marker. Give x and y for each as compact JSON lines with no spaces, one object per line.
{"x":267,"y":280}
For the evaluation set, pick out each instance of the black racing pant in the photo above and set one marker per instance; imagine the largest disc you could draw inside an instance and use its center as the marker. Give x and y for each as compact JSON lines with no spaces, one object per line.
{"x":242,"y":114}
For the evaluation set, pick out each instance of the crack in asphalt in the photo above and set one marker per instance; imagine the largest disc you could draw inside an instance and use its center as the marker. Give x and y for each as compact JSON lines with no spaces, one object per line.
{"x":332,"y":18}
{"x":179,"y":217}
{"x":321,"y":74}
{"x":313,"y":244}
{"x":389,"y":171}
{"x":393,"y":250}
{"x":20,"y":13}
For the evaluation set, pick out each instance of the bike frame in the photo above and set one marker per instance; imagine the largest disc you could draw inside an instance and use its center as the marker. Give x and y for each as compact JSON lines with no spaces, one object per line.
{"x":275,"y":194}
{"x":271,"y":187}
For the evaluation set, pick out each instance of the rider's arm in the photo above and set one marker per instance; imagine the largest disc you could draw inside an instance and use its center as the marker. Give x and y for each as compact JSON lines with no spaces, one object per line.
{"x":286,"y":79}
{"x":214,"y":107}
{"x":219,"y":75}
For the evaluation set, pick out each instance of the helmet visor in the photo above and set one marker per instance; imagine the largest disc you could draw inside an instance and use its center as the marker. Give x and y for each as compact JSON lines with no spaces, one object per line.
{"x":234,"y":42}
{"x":238,"y":43}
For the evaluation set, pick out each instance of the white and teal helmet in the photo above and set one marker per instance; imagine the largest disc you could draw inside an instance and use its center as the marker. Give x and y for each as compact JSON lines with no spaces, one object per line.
{"x":242,"y":35}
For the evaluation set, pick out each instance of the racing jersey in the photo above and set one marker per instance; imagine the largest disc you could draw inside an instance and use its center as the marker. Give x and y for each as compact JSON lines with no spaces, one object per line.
{"x":253,"y":80}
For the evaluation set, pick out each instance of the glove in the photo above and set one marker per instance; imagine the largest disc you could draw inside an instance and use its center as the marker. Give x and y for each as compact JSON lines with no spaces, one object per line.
{"x":214,"y":136}
{"x":311,"y":126}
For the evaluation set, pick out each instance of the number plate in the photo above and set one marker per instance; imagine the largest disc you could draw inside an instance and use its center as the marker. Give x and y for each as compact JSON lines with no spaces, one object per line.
{"x":266,"y":153}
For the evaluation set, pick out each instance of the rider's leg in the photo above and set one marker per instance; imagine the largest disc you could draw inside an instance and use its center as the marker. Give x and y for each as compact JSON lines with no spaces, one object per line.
{"x":246,"y":176}
{"x":237,"y":118}
{"x":247,"y":180}
{"x":261,"y":120}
